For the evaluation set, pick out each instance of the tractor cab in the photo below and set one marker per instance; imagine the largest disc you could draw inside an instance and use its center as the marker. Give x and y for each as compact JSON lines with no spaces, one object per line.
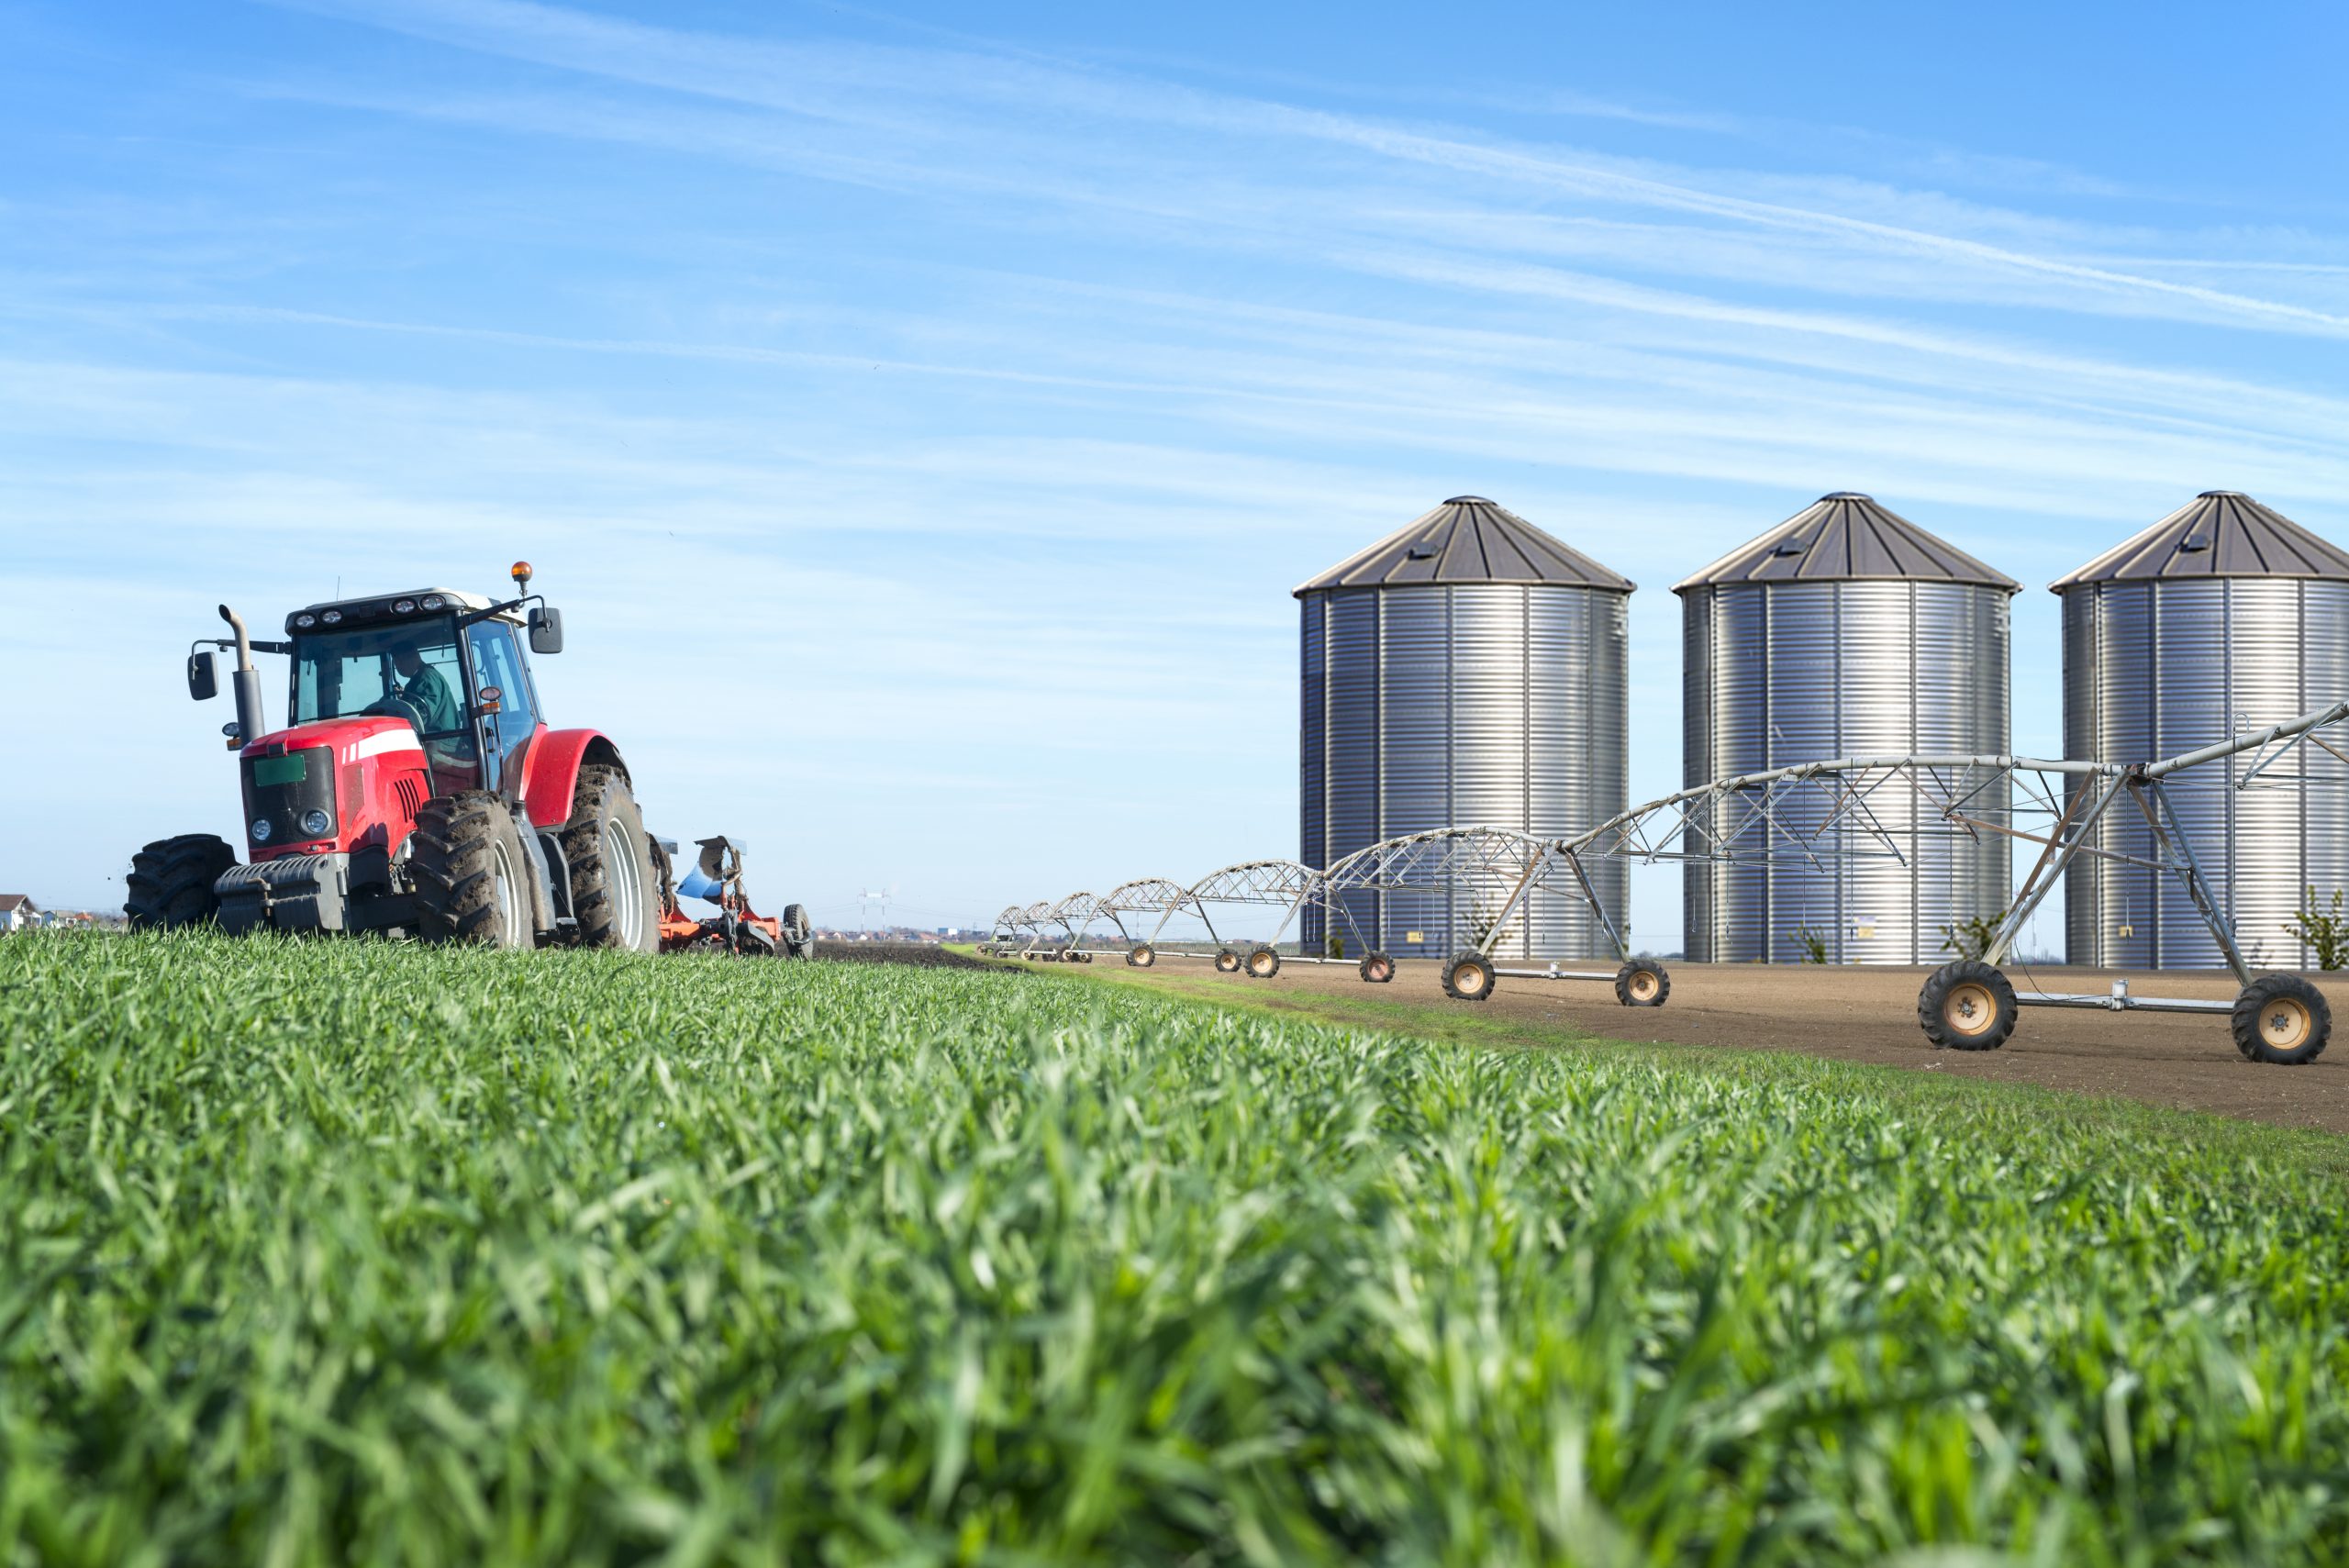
{"x":448,"y":663}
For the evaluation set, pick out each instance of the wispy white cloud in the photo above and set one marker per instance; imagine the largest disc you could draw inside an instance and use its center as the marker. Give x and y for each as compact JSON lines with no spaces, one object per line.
{"x":904,"y":91}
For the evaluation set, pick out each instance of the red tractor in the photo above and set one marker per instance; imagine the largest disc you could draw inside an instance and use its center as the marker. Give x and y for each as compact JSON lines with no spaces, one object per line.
{"x":415,"y":791}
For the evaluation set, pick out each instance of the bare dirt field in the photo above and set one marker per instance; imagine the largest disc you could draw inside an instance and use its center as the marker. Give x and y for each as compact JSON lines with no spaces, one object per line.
{"x":929,"y":955}
{"x":2188,"y":1060}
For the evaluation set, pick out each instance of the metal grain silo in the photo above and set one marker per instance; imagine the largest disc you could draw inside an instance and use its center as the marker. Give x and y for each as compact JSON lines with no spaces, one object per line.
{"x":1466,"y":671}
{"x":2221,"y":617}
{"x":1844,"y":631}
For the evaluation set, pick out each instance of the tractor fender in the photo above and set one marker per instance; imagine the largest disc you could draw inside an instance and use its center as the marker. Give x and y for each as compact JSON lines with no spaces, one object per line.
{"x":550,"y":770}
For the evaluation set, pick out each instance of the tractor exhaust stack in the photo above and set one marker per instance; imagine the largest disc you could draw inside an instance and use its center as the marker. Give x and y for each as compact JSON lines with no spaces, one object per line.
{"x":244,"y":682}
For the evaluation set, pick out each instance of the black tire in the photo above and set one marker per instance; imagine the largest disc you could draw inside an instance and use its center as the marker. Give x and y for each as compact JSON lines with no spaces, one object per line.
{"x":798,"y":932}
{"x":1141,"y":955}
{"x":1468,"y":977}
{"x":1227,"y":961}
{"x":473,"y":883}
{"x":1263,"y":962}
{"x":170,"y":884}
{"x":1642,"y":983}
{"x":1376,"y":968}
{"x":1968,"y":1005}
{"x":615,"y":893}
{"x":2281,"y":1019}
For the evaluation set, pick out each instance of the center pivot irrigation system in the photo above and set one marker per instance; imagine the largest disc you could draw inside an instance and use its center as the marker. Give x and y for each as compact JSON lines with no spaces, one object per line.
{"x":1812,"y":816}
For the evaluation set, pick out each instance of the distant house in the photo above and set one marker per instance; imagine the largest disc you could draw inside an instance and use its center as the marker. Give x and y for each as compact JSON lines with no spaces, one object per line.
{"x":17,"y":912}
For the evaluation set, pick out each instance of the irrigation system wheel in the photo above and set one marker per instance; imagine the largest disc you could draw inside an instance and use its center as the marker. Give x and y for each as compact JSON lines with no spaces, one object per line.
{"x":1377,"y":968}
{"x":2281,"y":1019}
{"x":1263,"y":962}
{"x":1227,"y":961}
{"x":1468,"y":977}
{"x":1642,"y":983}
{"x":1141,"y":955}
{"x":1968,"y":1005}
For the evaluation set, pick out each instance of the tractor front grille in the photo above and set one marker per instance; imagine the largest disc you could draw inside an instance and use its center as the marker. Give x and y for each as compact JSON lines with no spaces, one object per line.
{"x":282,"y":790}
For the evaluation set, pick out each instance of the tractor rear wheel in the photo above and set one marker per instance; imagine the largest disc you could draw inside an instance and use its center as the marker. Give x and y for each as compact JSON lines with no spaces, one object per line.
{"x":171,"y":883}
{"x":613,"y":894}
{"x":472,"y":884}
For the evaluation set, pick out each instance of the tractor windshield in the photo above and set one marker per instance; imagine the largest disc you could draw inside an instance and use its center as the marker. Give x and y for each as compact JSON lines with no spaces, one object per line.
{"x":410,"y":671}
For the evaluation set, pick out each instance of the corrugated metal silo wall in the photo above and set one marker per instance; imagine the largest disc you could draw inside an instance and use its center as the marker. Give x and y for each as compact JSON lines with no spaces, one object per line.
{"x":1466,"y":705}
{"x":1786,"y":673}
{"x":2153,"y":669}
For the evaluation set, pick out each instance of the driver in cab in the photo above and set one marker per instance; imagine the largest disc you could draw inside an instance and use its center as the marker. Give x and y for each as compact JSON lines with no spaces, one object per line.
{"x":425,"y":690}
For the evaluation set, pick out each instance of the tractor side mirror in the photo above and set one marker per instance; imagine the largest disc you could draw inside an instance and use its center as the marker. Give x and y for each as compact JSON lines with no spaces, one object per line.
{"x":546,"y":630}
{"x":203,"y":676}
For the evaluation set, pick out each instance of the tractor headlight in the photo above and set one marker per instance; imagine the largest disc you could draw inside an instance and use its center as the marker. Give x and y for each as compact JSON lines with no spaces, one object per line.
{"x":306,"y":620}
{"x":260,"y":829}
{"x":315,"y":822}
{"x":433,"y":601}
{"x":404,"y":607}
{"x":332,"y":617}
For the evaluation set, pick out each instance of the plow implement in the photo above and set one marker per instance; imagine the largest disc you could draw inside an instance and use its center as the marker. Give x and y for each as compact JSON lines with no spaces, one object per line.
{"x":716,"y":878}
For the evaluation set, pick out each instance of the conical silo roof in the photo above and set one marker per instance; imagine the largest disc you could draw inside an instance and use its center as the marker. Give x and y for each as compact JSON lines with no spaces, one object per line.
{"x":1846,"y":537}
{"x":2219,"y":533}
{"x":1467,"y":539}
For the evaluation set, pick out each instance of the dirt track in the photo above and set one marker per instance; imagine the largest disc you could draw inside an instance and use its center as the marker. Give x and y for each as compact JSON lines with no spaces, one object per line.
{"x":1870,"y":1015}
{"x":927,"y":955}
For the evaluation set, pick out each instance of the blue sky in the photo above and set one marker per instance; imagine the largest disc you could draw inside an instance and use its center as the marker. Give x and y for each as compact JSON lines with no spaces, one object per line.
{"x":922,"y":414}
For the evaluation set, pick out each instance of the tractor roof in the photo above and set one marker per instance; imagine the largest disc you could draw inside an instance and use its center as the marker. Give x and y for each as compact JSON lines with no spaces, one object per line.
{"x":381,"y":607}
{"x":470,"y":601}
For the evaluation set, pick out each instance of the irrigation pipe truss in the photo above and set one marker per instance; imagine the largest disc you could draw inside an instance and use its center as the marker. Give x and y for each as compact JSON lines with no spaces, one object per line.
{"x":1810,"y":815}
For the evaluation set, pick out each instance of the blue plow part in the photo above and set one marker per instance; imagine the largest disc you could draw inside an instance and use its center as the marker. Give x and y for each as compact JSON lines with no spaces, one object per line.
{"x":696,"y":885}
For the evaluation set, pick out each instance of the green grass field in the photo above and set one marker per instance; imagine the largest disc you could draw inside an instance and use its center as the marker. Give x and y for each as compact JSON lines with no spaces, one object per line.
{"x":346,"y":1251}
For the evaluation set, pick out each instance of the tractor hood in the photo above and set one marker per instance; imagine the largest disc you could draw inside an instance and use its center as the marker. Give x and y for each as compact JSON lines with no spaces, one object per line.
{"x":352,"y":739}
{"x":333,"y":786}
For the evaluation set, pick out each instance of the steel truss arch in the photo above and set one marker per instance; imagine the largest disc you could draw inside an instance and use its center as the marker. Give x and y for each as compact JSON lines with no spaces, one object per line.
{"x":1284,"y":884}
{"x":1505,"y":862}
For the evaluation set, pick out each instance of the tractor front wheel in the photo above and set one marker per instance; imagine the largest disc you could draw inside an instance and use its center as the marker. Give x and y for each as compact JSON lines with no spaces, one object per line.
{"x":472,"y":880}
{"x":614,"y":895}
{"x":171,"y":883}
